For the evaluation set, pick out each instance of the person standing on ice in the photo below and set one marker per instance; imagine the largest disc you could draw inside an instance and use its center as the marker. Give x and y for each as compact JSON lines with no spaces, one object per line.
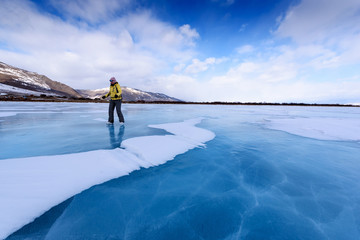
{"x":115,"y":101}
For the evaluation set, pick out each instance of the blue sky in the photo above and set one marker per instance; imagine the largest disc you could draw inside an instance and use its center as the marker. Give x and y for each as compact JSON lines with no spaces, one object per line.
{"x":205,"y":50}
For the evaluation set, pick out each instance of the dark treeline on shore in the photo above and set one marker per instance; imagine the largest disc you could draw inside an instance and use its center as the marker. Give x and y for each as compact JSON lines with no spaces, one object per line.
{"x":47,"y":98}
{"x":250,"y":103}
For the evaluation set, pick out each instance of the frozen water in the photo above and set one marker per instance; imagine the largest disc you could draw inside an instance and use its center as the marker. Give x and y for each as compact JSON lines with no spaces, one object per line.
{"x":251,"y":181}
{"x":30,"y":186}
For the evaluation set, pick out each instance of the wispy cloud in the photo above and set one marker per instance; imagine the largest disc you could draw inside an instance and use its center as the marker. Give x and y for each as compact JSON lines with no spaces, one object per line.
{"x":243,"y":27}
{"x":321,"y":21}
{"x":245,"y":49}
{"x":91,"y":11}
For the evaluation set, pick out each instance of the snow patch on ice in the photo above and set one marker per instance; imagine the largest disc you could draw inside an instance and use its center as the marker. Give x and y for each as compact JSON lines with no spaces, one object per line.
{"x":31,"y":186}
{"x":190,"y":132}
{"x":341,"y":129}
{"x":7,"y":114}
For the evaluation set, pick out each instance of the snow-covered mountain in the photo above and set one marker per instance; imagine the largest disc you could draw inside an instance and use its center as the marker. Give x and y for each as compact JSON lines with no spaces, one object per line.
{"x":17,"y":81}
{"x":129,"y":94}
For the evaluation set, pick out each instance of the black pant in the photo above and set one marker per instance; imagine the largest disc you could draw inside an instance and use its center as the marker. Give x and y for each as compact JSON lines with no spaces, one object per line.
{"x":112,"y":105}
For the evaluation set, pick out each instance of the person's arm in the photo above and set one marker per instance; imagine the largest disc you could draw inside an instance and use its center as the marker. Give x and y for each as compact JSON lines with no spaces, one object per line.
{"x":106,"y":95}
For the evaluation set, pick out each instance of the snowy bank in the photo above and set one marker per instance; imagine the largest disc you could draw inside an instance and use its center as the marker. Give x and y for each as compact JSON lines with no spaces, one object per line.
{"x":341,"y":129}
{"x":31,"y":186}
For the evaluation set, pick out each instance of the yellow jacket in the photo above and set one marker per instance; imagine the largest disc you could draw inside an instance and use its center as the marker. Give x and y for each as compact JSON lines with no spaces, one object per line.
{"x":114,"y":92}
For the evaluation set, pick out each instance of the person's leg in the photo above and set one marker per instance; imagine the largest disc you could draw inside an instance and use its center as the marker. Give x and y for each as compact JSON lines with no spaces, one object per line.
{"x":118,"y":110}
{"x":111,"y":111}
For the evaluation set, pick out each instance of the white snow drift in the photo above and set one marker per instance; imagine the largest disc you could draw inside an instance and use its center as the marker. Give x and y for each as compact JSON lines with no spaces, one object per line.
{"x":31,"y":186}
{"x":340,"y":129}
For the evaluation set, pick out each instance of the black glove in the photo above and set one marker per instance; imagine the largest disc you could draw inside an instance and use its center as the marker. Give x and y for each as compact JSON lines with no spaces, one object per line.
{"x":103,"y":97}
{"x":116,"y":96}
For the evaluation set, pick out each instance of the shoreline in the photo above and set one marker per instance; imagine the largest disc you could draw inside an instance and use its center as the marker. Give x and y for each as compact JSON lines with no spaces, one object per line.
{"x":85,"y":100}
{"x":51,"y":98}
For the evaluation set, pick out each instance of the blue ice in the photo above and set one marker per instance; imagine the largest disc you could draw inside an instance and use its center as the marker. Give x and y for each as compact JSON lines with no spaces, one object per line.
{"x":255,"y":180}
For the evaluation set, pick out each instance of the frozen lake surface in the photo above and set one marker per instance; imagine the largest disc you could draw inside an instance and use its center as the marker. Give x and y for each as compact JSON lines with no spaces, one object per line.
{"x":237,"y":172}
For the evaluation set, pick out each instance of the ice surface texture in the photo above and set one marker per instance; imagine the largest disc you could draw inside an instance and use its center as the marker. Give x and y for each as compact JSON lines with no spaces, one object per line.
{"x":251,"y":181}
{"x":31,"y":186}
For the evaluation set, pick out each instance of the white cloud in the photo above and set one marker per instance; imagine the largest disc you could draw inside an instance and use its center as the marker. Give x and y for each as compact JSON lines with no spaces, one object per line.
{"x":133,"y":47}
{"x":179,"y":67}
{"x":329,"y":27}
{"x":160,"y":38}
{"x":244,"y":84}
{"x":325,"y":43}
{"x":245,"y":49}
{"x":286,"y":74}
{"x":320,"y":21}
{"x":177,"y":85}
{"x":198,"y":66}
{"x":189,"y":34}
{"x":141,"y":51}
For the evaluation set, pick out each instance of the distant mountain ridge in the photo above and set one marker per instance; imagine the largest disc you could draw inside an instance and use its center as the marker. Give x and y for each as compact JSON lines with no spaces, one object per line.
{"x":19,"y":82}
{"x":129,"y":94}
